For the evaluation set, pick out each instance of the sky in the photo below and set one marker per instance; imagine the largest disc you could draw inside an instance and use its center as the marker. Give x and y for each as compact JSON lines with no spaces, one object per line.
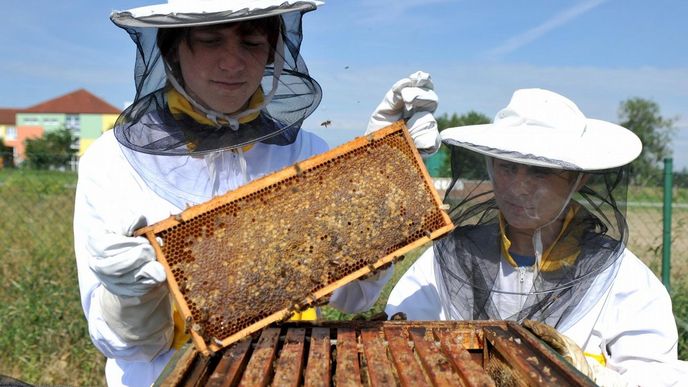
{"x":596,"y":52}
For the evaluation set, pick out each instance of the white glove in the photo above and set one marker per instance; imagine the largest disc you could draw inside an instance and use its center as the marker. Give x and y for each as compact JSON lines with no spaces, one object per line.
{"x":145,"y":322}
{"x":570,"y":351}
{"x":125,"y":265}
{"x":414,"y":100}
{"x":605,"y":377}
{"x":134,"y":300}
{"x":360,"y":295}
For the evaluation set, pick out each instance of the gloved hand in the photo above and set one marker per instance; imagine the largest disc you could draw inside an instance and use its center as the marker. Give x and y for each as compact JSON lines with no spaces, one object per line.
{"x":570,"y":351}
{"x":134,"y":301}
{"x":414,"y":100}
{"x":360,"y":295}
{"x":125,"y":265}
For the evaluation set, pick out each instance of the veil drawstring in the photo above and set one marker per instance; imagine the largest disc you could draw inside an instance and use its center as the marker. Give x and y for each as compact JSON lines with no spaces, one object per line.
{"x":537,"y":235}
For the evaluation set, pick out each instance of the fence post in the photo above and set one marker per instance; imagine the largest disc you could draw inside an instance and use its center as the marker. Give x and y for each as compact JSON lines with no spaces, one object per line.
{"x":666,"y":230}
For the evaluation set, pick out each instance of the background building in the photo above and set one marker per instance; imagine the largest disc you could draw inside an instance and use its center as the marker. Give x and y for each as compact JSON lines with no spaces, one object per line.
{"x":8,"y":130}
{"x":83,"y":113}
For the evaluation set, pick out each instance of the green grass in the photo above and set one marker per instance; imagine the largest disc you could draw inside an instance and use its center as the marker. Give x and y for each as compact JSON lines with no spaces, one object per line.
{"x":329,"y":313}
{"x":43,"y":339}
{"x":655,"y":194}
{"x":43,"y":334}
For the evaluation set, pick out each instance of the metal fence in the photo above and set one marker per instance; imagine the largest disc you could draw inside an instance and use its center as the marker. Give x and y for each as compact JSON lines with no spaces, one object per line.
{"x":658,"y":223}
{"x":37,"y":208}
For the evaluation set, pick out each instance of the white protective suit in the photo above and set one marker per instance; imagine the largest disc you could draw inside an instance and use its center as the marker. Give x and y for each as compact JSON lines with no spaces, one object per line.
{"x":110,"y":193}
{"x":631,"y":324}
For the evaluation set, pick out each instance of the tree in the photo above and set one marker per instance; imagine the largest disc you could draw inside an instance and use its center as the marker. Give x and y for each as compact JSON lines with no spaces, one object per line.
{"x":681,"y":178}
{"x":471,"y":165}
{"x":6,"y":155}
{"x":642,"y":116}
{"x":53,"y":150}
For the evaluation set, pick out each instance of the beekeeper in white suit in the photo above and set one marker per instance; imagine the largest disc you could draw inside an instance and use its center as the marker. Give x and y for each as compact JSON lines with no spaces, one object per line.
{"x":221,"y":92}
{"x":544,"y":238}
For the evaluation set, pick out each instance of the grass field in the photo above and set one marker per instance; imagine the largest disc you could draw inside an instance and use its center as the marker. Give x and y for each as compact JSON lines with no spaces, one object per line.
{"x":43,"y":335}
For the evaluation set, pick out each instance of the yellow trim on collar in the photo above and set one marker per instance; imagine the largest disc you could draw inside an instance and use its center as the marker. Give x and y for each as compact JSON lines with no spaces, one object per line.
{"x":506,"y":243}
{"x":179,"y":106}
{"x":597,"y":357}
{"x":567,"y":249}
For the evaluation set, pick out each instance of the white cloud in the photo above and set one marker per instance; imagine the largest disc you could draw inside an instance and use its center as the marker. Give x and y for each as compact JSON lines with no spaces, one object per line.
{"x":533,"y":34}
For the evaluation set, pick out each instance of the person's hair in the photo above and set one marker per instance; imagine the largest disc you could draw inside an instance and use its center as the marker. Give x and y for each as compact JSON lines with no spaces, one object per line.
{"x":168,"y":39}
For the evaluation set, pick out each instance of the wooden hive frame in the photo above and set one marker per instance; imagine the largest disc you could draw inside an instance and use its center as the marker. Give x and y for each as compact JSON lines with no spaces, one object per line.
{"x":375,"y":353}
{"x":282,"y":243}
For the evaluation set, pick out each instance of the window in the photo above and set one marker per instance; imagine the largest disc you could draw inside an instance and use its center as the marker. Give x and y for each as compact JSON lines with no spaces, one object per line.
{"x":76,"y":145}
{"x":50,"y":121}
{"x":11,"y":133}
{"x":73,"y":123}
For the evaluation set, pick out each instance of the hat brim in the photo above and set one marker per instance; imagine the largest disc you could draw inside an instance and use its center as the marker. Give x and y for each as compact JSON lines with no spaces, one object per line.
{"x":206,"y":13}
{"x":602,"y":145}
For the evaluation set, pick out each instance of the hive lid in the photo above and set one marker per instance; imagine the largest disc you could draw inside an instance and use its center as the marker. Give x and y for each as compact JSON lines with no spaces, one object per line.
{"x":282,"y":243}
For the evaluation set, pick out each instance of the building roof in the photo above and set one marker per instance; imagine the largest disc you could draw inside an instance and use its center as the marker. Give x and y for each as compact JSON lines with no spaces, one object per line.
{"x":8,"y":116}
{"x":76,"y":102}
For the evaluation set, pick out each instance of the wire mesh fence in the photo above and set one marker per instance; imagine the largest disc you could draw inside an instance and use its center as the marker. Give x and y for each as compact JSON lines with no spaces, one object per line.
{"x":38,"y":262}
{"x":37,"y":208}
{"x":645,"y":214}
{"x":44,"y":338}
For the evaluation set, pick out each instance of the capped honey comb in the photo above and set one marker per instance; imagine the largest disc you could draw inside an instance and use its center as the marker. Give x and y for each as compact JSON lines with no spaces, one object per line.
{"x":284,"y":242}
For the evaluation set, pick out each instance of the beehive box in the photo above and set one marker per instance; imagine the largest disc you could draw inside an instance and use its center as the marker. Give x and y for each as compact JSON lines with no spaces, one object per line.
{"x":284,"y":242}
{"x":401,"y":353}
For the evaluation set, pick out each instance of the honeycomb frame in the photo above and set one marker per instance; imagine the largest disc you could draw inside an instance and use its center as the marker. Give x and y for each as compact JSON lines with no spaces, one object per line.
{"x":284,"y":242}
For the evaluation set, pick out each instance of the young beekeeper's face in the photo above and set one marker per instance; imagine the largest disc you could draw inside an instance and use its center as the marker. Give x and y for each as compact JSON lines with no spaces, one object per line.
{"x":222,"y":66}
{"x":530,"y":197}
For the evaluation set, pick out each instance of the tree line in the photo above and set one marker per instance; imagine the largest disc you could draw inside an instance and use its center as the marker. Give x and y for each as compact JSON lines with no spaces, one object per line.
{"x":55,"y":150}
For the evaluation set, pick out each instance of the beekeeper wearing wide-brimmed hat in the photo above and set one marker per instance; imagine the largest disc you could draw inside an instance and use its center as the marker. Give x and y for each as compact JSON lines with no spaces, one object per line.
{"x":544,"y":237}
{"x":221,"y":93}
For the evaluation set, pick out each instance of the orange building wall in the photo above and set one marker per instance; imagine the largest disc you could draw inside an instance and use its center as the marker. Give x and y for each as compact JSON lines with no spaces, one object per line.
{"x":23,"y":132}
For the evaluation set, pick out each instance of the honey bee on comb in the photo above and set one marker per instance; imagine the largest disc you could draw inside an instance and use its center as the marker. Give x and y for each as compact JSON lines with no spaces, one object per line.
{"x":284,"y":242}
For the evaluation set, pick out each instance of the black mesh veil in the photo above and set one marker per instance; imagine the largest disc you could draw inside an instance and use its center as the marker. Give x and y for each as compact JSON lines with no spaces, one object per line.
{"x":148,"y":126}
{"x":580,"y":265}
